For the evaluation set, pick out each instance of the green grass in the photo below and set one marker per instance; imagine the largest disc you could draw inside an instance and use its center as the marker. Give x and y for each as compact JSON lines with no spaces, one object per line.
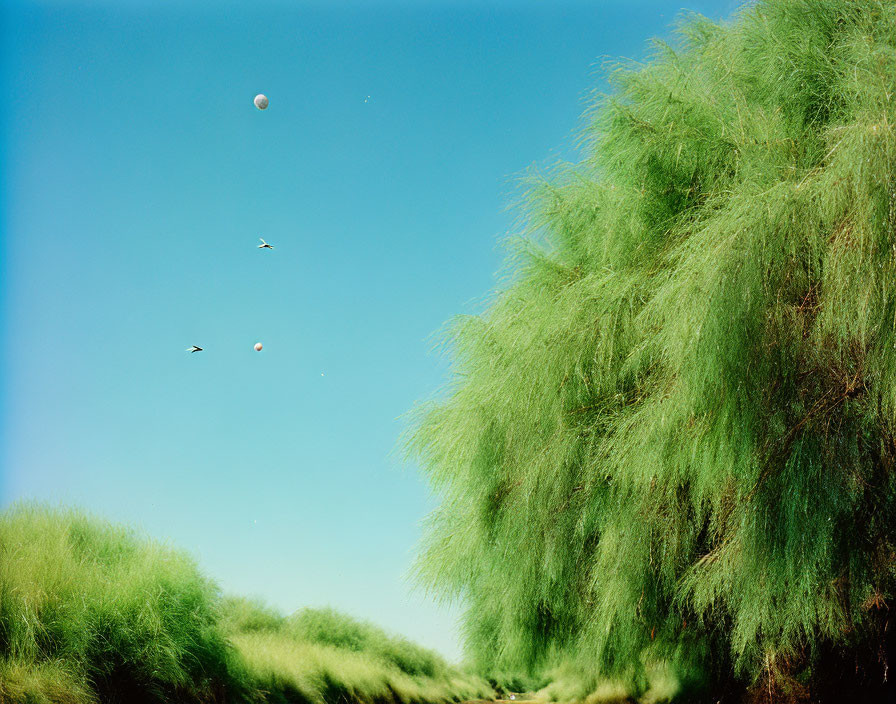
{"x":316,"y":655}
{"x":88,"y":603}
{"x":292,"y":670}
{"x":328,"y":627}
{"x":91,"y":612}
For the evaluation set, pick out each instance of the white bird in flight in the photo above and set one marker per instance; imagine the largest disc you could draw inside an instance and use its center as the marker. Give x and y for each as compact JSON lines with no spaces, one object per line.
{"x":194,"y":348}
{"x":264,"y":245}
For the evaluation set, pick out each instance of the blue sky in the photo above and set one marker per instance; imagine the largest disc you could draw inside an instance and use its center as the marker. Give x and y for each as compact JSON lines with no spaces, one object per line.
{"x":136,"y":179}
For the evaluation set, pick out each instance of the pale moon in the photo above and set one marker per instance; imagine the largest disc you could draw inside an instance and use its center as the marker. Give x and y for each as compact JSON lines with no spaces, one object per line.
{"x":261,"y":101}
{"x":258,"y":347}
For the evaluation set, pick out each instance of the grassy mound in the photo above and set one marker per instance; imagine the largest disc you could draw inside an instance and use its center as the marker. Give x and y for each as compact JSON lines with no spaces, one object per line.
{"x":320,"y":655}
{"x":95,"y":612}
{"x":91,"y":612}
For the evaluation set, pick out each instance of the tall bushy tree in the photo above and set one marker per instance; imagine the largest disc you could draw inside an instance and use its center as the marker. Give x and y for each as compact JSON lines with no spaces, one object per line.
{"x":674,"y":432}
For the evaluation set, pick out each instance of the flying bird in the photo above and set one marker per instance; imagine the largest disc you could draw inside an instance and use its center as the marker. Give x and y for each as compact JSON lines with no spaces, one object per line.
{"x":264,"y":245}
{"x":194,"y":348}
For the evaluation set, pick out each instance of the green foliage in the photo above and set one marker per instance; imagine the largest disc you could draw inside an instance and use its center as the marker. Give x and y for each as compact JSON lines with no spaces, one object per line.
{"x":91,"y":612}
{"x":671,"y":437}
{"x":321,"y":655}
{"x":290,"y":669}
{"x":241,"y":615}
{"x":94,"y":611}
{"x":330,"y":627}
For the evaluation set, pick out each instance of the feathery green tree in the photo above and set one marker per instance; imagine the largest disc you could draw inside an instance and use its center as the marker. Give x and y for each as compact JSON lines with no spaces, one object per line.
{"x":672,"y":436}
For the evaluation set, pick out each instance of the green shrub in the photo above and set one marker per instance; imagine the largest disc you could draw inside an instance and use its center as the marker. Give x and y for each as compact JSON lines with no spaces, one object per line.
{"x":242,"y":615}
{"x":91,"y":612}
{"x":330,"y":627}
{"x":672,"y":433}
{"x":292,"y":664}
{"x":123,"y":614}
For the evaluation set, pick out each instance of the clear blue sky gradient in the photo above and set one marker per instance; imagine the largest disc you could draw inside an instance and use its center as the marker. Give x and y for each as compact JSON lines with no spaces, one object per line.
{"x":136,"y":179}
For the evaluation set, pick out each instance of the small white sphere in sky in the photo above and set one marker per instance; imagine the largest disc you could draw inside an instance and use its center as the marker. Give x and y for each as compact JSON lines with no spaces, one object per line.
{"x":258,"y":347}
{"x":261,"y":101}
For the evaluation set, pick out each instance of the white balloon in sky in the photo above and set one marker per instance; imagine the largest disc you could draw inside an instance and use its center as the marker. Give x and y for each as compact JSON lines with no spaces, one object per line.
{"x":261,"y":101}
{"x":258,"y":347}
